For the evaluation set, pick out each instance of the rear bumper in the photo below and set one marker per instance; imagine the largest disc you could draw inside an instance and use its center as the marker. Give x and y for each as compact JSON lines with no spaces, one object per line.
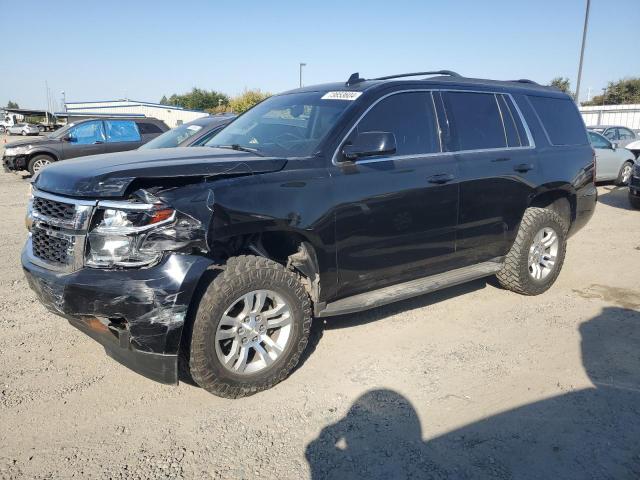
{"x":136,"y":315}
{"x":586,"y":199}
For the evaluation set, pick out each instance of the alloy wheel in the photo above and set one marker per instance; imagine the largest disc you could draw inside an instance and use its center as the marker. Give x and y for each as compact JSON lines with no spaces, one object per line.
{"x":543,"y":253}
{"x":253,"y":332}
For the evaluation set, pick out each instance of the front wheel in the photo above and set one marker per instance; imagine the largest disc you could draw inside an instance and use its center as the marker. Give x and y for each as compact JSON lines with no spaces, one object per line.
{"x":536,"y":257}
{"x":625,"y":174}
{"x":24,"y":133}
{"x":250,"y":328}
{"x":37,"y":163}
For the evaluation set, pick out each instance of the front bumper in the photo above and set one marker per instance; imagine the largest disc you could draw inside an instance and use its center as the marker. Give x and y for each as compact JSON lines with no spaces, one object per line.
{"x":18,"y":162}
{"x":137,"y":315}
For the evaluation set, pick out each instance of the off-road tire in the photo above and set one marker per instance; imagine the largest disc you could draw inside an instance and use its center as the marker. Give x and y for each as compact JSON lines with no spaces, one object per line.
{"x":619,"y":181}
{"x":32,"y":162}
{"x":514,"y":274}
{"x":634,"y":201}
{"x":243,"y":274}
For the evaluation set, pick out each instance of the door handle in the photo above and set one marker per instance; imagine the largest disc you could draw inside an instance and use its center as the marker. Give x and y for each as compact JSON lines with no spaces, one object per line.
{"x":501,"y":159}
{"x":98,"y":142}
{"x":523,"y":167}
{"x":440,"y":178}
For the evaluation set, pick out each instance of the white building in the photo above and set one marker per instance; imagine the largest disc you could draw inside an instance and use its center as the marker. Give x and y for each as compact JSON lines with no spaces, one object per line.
{"x":172,"y":116}
{"x":623,"y":115}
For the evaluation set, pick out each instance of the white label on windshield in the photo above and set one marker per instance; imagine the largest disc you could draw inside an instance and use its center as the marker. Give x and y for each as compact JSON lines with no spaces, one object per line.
{"x":341,"y":95}
{"x":194,"y":128}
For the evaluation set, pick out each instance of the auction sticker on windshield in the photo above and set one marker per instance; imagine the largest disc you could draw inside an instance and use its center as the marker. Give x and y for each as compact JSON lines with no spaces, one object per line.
{"x":341,"y":95}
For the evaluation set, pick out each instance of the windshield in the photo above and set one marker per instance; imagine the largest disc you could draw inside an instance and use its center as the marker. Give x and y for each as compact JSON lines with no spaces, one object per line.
{"x":173,"y":137}
{"x":60,"y":132}
{"x":290,"y":125}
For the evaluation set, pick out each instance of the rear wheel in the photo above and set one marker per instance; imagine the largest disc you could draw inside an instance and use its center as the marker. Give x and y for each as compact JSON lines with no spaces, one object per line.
{"x":625,"y":174}
{"x":37,"y":163}
{"x":251,"y":327}
{"x":536,"y":257}
{"x":24,"y":133}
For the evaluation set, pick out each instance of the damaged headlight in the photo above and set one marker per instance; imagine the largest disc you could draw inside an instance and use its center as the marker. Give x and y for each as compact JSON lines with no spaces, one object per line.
{"x":120,"y":236}
{"x":15,"y":151}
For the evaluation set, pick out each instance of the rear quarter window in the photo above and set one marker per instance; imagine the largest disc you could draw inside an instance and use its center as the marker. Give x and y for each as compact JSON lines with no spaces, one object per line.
{"x":148,"y":128}
{"x":560,"y":119}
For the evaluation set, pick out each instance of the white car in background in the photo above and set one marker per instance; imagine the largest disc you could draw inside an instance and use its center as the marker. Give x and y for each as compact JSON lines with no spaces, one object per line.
{"x":612,"y":163}
{"x":23,"y":129}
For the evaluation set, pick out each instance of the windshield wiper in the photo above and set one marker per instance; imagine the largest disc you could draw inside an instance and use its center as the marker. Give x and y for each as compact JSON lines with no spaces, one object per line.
{"x":240,"y":148}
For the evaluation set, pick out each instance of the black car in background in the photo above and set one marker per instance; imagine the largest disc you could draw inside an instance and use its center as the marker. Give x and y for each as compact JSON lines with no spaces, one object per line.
{"x":79,"y":139}
{"x":321,"y":201}
{"x":191,"y":134}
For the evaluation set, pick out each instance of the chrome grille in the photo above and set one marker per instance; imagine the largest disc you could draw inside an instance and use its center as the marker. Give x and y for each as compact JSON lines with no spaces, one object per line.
{"x":58,"y":231}
{"x":54,"y":209}
{"x":50,"y":248}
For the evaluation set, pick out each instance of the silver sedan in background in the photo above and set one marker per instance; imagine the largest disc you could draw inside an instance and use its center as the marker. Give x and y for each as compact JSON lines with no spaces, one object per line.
{"x":23,"y":129}
{"x":612,"y":163}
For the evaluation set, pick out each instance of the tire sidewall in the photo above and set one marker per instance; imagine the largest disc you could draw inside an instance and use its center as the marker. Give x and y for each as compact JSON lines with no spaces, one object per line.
{"x":34,"y":160}
{"x":534,"y":286}
{"x":220,"y":295}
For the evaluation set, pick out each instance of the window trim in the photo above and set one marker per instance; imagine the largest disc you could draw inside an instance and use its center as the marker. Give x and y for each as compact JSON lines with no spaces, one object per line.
{"x":531,"y":146}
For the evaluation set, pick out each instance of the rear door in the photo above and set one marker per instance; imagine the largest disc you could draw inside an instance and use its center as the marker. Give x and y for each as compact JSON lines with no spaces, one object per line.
{"x":122,"y":135}
{"x":398,"y":215}
{"x":485,"y":133}
{"x":84,"y":139}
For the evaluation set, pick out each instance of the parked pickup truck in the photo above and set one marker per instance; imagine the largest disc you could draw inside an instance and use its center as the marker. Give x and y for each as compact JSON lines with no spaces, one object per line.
{"x":321,"y":201}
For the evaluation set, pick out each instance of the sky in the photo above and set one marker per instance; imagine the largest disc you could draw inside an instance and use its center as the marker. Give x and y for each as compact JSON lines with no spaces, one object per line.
{"x":142,"y":50}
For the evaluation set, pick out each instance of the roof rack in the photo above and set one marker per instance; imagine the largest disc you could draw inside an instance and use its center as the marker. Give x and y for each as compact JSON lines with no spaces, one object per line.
{"x":355,"y":77}
{"x":435,"y":72}
{"x":525,"y":80}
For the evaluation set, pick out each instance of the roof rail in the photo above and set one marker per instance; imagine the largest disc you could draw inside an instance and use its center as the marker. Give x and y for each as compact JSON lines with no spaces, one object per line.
{"x":435,"y":72}
{"x":525,"y":80}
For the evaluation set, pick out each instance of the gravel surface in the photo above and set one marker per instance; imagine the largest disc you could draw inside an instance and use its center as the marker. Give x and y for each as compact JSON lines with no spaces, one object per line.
{"x":470,"y":382}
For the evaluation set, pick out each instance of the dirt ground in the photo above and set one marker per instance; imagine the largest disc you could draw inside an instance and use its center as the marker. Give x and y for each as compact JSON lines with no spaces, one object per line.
{"x":470,"y":382}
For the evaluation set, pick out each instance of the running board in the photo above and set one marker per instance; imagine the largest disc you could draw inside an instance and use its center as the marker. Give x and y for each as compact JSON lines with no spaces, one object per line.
{"x":413,"y":288}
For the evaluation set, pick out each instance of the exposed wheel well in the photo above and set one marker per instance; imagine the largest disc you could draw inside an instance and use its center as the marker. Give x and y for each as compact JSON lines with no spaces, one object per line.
{"x":559,"y":201}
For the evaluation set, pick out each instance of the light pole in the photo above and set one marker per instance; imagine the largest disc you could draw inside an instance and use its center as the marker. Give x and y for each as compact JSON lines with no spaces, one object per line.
{"x":64,"y":100}
{"x":584,"y":39}
{"x":301,"y":65}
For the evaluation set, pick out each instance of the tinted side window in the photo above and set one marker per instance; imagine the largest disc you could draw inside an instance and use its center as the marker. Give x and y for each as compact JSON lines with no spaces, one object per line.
{"x":122,"y":131}
{"x":560,"y":119}
{"x":410,"y":117}
{"x":87,"y":133}
{"x":598,"y":141}
{"x":147,"y":128}
{"x":474,"y":121}
{"x":625,"y":134}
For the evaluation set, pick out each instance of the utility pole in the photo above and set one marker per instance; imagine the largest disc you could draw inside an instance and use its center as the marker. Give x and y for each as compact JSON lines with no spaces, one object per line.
{"x":301,"y":65}
{"x":584,"y":39}
{"x":64,"y":100}
{"x":46,"y":112}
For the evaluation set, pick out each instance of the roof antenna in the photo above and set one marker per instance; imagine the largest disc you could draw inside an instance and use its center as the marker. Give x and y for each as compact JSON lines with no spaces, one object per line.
{"x":353,"y":79}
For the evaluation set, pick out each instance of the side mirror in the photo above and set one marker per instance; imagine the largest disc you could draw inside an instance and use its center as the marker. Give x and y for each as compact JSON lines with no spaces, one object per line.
{"x":614,"y":145}
{"x":67,"y":138}
{"x":369,"y":144}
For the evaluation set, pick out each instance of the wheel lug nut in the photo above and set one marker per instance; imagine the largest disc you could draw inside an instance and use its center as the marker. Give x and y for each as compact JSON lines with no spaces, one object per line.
{"x":240,"y":331}
{"x":254,"y":339}
{"x":244,"y":340}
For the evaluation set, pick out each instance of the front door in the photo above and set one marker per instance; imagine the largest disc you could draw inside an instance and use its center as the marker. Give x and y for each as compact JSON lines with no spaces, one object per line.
{"x":87,"y":138}
{"x":399,"y":211}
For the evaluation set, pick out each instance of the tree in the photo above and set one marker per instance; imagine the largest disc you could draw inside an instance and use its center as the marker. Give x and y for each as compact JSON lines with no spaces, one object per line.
{"x":197,"y":99}
{"x":562,"y":83}
{"x":247,"y":99}
{"x":622,"y":92}
{"x":11,"y":104}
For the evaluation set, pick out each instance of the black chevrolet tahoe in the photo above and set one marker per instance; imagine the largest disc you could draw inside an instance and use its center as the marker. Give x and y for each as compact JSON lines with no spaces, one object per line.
{"x":321,"y":201}
{"x":91,"y":136}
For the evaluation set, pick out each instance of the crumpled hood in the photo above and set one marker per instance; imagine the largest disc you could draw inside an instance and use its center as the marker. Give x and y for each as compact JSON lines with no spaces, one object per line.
{"x":109,"y":175}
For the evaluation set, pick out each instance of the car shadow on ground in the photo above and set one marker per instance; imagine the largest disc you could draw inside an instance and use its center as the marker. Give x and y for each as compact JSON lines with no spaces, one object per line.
{"x":615,"y":197}
{"x":588,"y":433}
